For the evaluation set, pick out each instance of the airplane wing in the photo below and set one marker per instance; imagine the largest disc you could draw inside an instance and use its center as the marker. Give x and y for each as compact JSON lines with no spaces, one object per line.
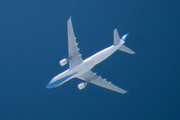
{"x":97,"y":80}
{"x":74,"y":56}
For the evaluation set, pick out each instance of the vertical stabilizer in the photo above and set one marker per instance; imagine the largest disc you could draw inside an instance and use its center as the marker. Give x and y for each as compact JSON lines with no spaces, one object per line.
{"x":116,"y":37}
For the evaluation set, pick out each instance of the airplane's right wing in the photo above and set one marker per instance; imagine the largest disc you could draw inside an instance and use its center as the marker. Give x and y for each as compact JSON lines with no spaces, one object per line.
{"x":97,"y":80}
{"x":74,"y":56}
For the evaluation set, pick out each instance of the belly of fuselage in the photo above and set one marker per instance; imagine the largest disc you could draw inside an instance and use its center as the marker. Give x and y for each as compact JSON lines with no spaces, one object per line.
{"x":103,"y":54}
{"x":82,"y":68}
{"x":72,"y":73}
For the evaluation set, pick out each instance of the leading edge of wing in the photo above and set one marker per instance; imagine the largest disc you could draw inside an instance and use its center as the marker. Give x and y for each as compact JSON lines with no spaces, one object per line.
{"x":97,"y":80}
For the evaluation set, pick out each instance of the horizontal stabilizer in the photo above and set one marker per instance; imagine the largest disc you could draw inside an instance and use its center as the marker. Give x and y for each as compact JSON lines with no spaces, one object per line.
{"x":126,"y":49}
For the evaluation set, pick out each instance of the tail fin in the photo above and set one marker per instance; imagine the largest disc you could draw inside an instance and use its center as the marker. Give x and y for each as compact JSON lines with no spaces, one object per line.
{"x":117,"y":40}
{"x":124,"y":36}
{"x":116,"y":37}
{"x":126,"y":49}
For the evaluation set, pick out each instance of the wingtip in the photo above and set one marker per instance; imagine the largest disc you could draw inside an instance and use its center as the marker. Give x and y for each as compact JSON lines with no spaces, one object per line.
{"x":132,"y":52}
{"x":125,"y":92}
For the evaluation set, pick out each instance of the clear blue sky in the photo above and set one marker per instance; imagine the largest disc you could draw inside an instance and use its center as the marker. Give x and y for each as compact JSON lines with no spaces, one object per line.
{"x":33,"y":38}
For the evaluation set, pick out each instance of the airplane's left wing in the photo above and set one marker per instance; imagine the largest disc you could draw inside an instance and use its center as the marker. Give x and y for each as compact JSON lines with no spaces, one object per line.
{"x":97,"y":80}
{"x":74,"y":56}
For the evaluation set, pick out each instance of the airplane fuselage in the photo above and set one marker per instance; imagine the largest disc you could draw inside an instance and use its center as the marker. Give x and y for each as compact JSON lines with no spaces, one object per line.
{"x":81,"y":69}
{"x":85,"y":66}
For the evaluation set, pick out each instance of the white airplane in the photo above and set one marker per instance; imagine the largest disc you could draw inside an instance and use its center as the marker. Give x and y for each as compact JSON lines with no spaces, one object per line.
{"x":79,"y":68}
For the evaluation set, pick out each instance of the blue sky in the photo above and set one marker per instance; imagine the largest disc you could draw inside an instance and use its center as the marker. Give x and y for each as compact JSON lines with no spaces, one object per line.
{"x":33,"y":38}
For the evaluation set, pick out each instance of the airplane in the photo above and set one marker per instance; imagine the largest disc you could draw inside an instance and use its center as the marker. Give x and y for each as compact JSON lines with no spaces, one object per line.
{"x":81,"y":69}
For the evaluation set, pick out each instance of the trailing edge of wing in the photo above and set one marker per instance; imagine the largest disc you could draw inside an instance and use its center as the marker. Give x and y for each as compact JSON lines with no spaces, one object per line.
{"x":97,"y":80}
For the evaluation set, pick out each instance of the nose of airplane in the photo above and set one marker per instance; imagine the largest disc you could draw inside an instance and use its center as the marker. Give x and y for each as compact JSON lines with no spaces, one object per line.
{"x":50,"y":85}
{"x":57,"y":81}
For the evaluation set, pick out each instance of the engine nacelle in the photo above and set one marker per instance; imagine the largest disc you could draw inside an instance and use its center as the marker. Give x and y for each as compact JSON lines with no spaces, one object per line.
{"x":82,"y":85}
{"x":63,"y":62}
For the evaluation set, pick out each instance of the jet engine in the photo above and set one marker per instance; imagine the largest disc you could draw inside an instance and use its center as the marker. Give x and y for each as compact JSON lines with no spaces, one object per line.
{"x":63,"y":62}
{"x":82,"y":85}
